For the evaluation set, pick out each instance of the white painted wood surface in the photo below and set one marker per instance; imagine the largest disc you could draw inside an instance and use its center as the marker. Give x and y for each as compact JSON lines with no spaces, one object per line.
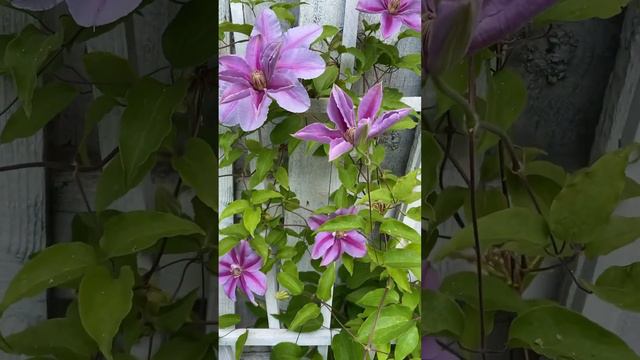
{"x":22,"y":205}
{"x":619,"y":126}
{"x":312,"y":178}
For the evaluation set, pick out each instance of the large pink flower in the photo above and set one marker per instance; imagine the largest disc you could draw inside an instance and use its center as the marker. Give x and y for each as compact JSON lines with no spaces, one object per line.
{"x":394,"y":14}
{"x":349,"y":129}
{"x":269,"y":71}
{"x":87,"y":13}
{"x":240,"y":267}
{"x":331,"y":245}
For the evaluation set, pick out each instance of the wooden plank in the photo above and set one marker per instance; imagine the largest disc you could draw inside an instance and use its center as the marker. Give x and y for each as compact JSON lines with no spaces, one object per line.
{"x":271,"y":337}
{"x":22,"y":204}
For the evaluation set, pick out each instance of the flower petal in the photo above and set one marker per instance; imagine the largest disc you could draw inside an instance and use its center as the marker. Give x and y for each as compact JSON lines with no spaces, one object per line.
{"x":235,"y":92}
{"x":256,"y":281}
{"x":90,"y":13}
{"x":354,"y":244}
{"x":246,"y":290}
{"x":254,"y":51}
{"x":294,"y":98}
{"x":503,"y":17}
{"x":317,"y":132}
{"x":228,"y":113}
{"x":332,"y":254}
{"x":301,"y":36}
{"x":412,"y":20}
{"x":230,"y":288}
{"x":303,"y":63}
{"x":235,"y":77}
{"x":235,"y":63}
{"x":370,"y":103}
{"x":267,"y":25}
{"x":352,"y":210}
{"x":250,"y":113}
{"x":269,"y":59}
{"x":371,"y":6}
{"x":340,"y":109}
{"x":338,"y":147}
{"x":386,"y":120}
{"x":323,"y":242}
{"x":389,"y":25}
{"x":316,"y":220}
{"x":35,"y":5}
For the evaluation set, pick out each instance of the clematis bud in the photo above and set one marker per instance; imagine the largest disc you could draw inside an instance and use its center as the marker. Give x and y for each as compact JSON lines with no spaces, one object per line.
{"x":449,"y":31}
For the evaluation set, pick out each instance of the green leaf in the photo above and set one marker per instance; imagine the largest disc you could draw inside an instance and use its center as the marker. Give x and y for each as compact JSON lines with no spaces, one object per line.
{"x":112,"y":75}
{"x":263,"y":166}
{"x":559,"y":333}
{"x":238,"y":28}
{"x":242,"y":339}
{"x":225,"y":245}
{"x":506,"y":100}
{"x":403,"y":258}
{"x":5,"y":39}
{"x":23,"y":57}
{"x":287,"y":351}
{"x":411,"y":62}
{"x":48,"y":102}
{"x":403,"y":190}
{"x":261,"y":196}
{"x":292,"y":283}
{"x":345,"y":348}
{"x":325,"y":285}
{"x":113,"y":184}
{"x":101,"y":319}
{"x":147,"y":121}
{"x":441,"y":313}
{"x":282,"y":177}
{"x":188,"y":39}
{"x":342,"y":223}
{"x":322,"y":84}
{"x":588,"y":199}
{"x":517,"y":229}
{"x":171,"y":317}
{"x":328,"y":31}
{"x":577,"y":10}
{"x":251,"y":218}
{"x":53,"y":266}
{"x":234,"y":207}
{"x":131,"y":232}
{"x":64,"y":338}
{"x":284,"y":14}
{"x":406,"y":343}
{"x":183,"y":348}
{"x":374,"y":297}
{"x":197,"y":167}
{"x":98,"y":109}
{"x":307,"y":313}
{"x":620,"y":286}
{"x":431,"y":158}
{"x":392,"y":322}
{"x":399,"y":230}
{"x":497,"y":294}
{"x":615,"y":234}
{"x":448,"y":202}
{"x":401,"y":278}
{"x":228,"y":320}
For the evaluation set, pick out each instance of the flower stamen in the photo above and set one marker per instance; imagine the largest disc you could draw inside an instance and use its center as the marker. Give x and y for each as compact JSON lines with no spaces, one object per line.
{"x":236,"y":270}
{"x":258,"y":80}
{"x":350,"y":135}
{"x":394,"y":5}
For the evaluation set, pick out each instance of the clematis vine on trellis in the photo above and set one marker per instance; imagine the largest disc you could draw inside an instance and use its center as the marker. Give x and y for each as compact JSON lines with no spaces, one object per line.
{"x":269,"y":71}
{"x":394,"y":13}
{"x":331,"y":245}
{"x":240,"y":268}
{"x":87,"y":13}
{"x":454,"y":27}
{"x":350,"y":130}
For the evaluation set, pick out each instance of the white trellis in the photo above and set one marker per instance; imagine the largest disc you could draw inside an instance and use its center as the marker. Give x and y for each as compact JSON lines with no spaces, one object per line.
{"x":313,"y":178}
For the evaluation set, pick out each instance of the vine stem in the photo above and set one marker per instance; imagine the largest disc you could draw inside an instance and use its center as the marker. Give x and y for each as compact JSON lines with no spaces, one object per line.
{"x":375,"y":321}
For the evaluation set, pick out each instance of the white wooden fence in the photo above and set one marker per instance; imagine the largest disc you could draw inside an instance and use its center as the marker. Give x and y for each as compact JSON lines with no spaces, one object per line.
{"x":312,"y":178}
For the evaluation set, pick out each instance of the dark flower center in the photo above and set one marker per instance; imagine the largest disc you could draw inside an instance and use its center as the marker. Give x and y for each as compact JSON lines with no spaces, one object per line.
{"x":394,"y":5}
{"x":258,"y":80}
{"x":350,"y":135}
{"x":236,"y":270}
{"x":340,"y":234}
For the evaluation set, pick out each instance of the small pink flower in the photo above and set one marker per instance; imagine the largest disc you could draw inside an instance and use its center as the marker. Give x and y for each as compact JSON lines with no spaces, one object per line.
{"x":331,"y":245}
{"x":241,"y":267}
{"x":349,"y":129}
{"x":394,"y":14}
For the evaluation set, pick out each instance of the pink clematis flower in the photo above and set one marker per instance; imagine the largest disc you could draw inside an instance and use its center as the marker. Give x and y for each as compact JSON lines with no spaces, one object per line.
{"x":240,"y":267}
{"x":331,"y":245}
{"x":350,"y":132}
{"x":394,"y":14}
{"x":269,"y":71}
{"x":87,"y":13}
